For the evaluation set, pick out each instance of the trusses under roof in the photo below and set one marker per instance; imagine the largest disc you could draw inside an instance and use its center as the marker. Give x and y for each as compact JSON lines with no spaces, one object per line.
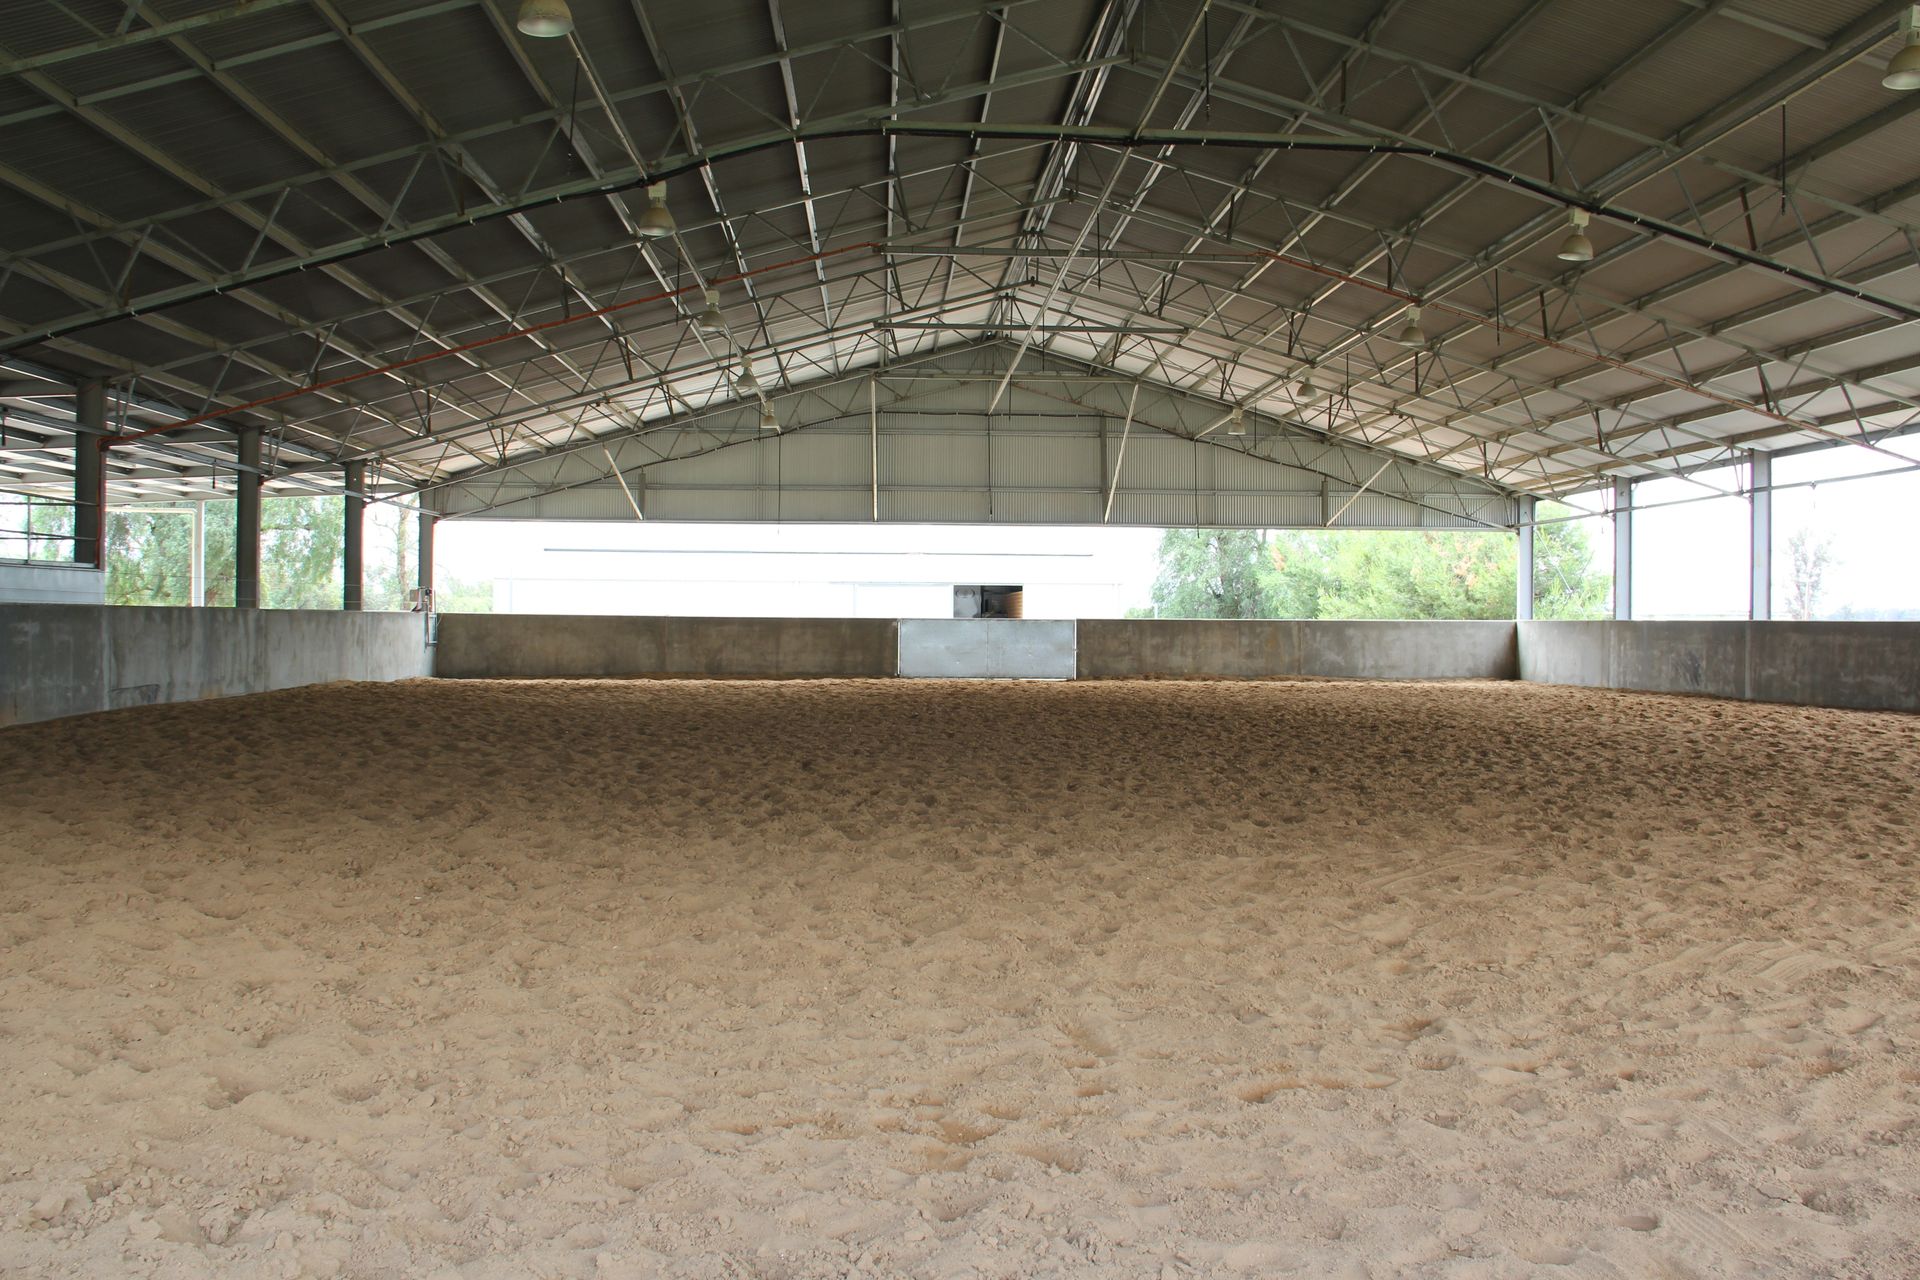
{"x":399,"y":231}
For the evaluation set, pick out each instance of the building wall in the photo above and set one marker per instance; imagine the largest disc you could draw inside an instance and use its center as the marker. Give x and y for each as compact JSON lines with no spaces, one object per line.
{"x":1258,"y":649}
{"x":525,"y":645}
{"x":51,"y":582}
{"x":64,"y":660}
{"x":1874,"y":665}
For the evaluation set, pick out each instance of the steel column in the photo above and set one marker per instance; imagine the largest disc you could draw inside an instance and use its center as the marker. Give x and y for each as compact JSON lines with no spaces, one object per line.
{"x":246,"y":523}
{"x":424,"y":557}
{"x":1523,"y":564}
{"x":355,"y":528}
{"x":1760,"y":535}
{"x":89,"y":477}
{"x":197,"y":570}
{"x":1623,"y":549}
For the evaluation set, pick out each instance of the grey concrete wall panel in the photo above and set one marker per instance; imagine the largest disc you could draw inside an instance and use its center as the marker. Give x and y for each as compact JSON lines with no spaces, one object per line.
{"x":1408,"y":650}
{"x":1680,"y":657}
{"x":531,"y":646}
{"x":44,"y":583}
{"x":1213,"y":649}
{"x":556,"y":646}
{"x":1256,"y":649}
{"x":51,"y":661}
{"x":987,"y":648}
{"x":62,"y":660}
{"x":1837,"y":664}
{"x":1868,"y":665}
{"x":1566,"y":652}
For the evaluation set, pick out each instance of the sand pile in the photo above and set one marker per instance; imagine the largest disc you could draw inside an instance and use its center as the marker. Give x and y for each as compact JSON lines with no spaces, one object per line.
{"x":741,"y":979}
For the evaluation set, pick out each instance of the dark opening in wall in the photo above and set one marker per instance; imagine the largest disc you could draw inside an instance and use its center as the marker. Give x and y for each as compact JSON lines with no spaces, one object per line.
{"x":989,"y":602}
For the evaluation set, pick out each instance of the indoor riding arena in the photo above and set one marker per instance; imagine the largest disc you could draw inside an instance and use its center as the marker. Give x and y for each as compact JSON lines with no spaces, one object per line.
{"x":398,"y":937}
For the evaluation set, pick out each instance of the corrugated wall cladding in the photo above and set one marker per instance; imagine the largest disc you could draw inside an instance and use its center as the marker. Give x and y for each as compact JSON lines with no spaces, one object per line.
{"x":934,"y":454}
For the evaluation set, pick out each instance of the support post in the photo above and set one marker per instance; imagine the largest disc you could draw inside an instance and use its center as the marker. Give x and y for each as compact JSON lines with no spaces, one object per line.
{"x":425,"y":559}
{"x":246,"y":523}
{"x":89,"y":477}
{"x":1623,"y":550}
{"x":873,"y":440}
{"x":1523,"y":565}
{"x":352,"y":592}
{"x":1760,"y":535}
{"x":197,"y":567}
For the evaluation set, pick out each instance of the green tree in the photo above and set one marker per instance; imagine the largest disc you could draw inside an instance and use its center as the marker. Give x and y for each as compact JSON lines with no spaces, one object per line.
{"x":1352,"y":573}
{"x":150,"y":556}
{"x":1419,"y":574}
{"x":455,"y":595}
{"x":392,"y":550}
{"x":1214,"y":573}
{"x":49,"y":520}
{"x":1810,"y":556}
{"x":1565,"y":583}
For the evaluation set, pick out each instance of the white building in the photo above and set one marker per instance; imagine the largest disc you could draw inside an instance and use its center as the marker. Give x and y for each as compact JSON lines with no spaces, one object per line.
{"x":850,"y":571}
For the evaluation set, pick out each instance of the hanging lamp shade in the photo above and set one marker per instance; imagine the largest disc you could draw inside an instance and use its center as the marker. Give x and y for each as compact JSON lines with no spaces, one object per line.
{"x":710,"y":320}
{"x":1576,"y":247}
{"x":1236,"y":422}
{"x":746,"y":382}
{"x":1411,"y":334}
{"x":1903,"y":69}
{"x":545,"y":19}
{"x":1308,"y":392}
{"x":656,"y":220}
{"x":768,"y":422}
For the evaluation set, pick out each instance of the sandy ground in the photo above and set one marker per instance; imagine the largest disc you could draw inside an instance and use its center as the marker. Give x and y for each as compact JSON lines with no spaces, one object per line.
{"x":929,"y":979}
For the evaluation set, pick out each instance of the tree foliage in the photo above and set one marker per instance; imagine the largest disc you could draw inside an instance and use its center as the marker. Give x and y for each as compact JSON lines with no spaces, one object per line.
{"x":1345,"y":573}
{"x":1214,"y":573}
{"x":1810,"y":557}
{"x":302,"y":556}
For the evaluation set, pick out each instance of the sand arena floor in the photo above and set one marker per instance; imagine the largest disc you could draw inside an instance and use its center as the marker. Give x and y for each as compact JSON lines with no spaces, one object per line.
{"x":890,"y":979}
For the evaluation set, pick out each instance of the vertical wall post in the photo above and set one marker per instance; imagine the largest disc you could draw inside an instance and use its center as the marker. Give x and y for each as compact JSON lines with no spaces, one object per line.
{"x":352,"y":592}
{"x":425,"y":555}
{"x":89,"y":476}
{"x":1760,"y":537}
{"x":197,"y":567}
{"x":246,"y":523}
{"x":1623,"y":549}
{"x":1523,"y":565}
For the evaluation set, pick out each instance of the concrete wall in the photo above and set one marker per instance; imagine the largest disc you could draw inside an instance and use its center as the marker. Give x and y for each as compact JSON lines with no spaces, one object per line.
{"x":51,"y":582}
{"x":1233,"y":650}
{"x":523,"y":645}
{"x":63,"y":660}
{"x":1873,"y":665}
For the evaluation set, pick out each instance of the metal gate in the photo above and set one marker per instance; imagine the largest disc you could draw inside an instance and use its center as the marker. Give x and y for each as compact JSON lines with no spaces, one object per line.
{"x":987,"y":648}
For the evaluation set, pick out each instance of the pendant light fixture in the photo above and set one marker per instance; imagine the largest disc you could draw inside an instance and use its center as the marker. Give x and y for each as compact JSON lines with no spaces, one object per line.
{"x":1576,"y":247}
{"x":656,"y":220}
{"x":747,"y":384}
{"x":768,"y":422}
{"x":1308,"y":392}
{"x":710,"y":320}
{"x":544,"y":19}
{"x":1903,"y":71}
{"x":1237,"y":422}
{"x":1411,"y":334}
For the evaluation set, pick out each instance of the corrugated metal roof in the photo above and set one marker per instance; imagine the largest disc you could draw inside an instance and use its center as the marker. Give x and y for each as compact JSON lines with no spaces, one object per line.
{"x":492,"y":159}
